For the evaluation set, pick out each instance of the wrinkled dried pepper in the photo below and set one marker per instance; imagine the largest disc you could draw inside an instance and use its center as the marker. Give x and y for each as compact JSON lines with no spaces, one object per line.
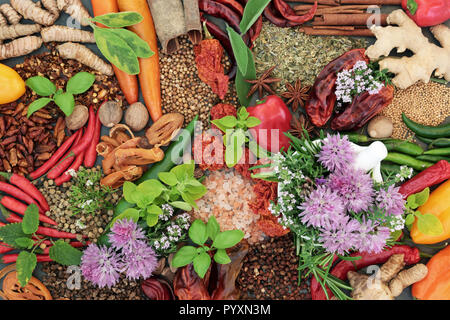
{"x":289,"y":14}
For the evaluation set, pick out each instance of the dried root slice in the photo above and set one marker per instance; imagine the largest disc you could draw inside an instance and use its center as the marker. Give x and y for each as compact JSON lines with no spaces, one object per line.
{"x":20,"y":47}
{"x":10,"y":14}
{"x":66,"y":34}
{"x":3,"y":21}
{"x":51,"y":6}
{"x":18,"y":30}
{"x":76,"y":10}
{"x":31,"y":11}
{"x":82,"y":54}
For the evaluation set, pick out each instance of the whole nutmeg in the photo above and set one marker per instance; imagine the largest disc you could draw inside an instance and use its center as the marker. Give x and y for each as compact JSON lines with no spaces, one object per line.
{"x":78,"y":118}
{"x":136,"y":116}
{"x":380,"y":127}
{"x":110,"y":113}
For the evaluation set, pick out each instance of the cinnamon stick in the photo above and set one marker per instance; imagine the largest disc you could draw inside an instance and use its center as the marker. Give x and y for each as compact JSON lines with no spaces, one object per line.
{"x":341,"y":11}
{"x":192,"y":20}
{"x":336,"y":31}
{"x":347,"y":19}
{"x":328,"y":2}
{"x":372,"y":2}
{"x":302,"y":7}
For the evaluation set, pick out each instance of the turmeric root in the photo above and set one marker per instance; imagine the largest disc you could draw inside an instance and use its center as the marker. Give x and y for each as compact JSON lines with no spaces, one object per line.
{"x":20,"y":47}
{"x":427,"y":58}
{"x":407,"y":278}
{"x":66,"y":34}
{"x":11,"y":15}
{"x":51,"y":6}
{"x":18,"y":30}
{"x":76,"y":10}
{"x":393,"y":266}
{"x":3,"y":21}
{"x":82,"y":54}
{"x":29,"y":10}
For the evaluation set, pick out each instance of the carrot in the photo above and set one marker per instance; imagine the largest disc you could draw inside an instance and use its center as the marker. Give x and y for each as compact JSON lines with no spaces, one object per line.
{"x":149,"y":76}
{"x":128,"y":83}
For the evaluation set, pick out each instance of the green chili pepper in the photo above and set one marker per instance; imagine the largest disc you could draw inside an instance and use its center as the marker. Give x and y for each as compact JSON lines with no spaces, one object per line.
{"x":440,"y":142}
{"x":407,"y":160}
{"x":441,"y":131}
{"x":438,"y":152}
{"x":432,"y":158}
{"x":405,"y":147}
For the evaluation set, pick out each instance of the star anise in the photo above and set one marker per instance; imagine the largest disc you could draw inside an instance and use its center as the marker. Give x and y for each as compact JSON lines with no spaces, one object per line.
{"x":299,"y":123}
{"x":296,"y":94}
{"x":263,"y":83}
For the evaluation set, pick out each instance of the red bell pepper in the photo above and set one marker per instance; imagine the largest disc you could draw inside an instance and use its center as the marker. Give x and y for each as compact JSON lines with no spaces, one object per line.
{"x":275,"y":120}
{"x":427,"y":13}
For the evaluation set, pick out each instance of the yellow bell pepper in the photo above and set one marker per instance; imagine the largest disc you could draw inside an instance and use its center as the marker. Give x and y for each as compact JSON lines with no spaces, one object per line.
{"x":438,"y":204}
{"x":12,"y":87}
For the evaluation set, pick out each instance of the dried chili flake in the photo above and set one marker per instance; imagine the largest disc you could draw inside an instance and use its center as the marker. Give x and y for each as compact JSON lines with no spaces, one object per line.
{"x":208,"y":150}
{"x":222,"y":110}
{"x":271,"y":228}
{"x":208,"y":58}
{"x":248,"y":160}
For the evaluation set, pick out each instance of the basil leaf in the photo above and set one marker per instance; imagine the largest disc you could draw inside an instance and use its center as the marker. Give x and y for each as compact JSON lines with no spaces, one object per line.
{"x":117,"y":51}
{"x":228,"y":239}
{"x":212,"y":228}
{"x":253,"y":122}
{"x":139,"y":46}
{"x":37,"y":105}
{"x":119,"y":19}
{"x":222,"y":257}
{"x":234,"y":149}
{"x":30,"y":222}
{"x":184,"y":256}
{"x":66,"y":102}
{"x":219,"y":125}
{"x":80,"y":83}
{"x":242,"y":113}
{"x":168,"y":178}
{"x":239,"y":50}
{"x":430,"y":225}
{"x":422,"y":197}
{"x":41,"y":85}
{"x":197,"y":232}
{"x":181,"y":205}
{"x":252,"y":11}
{"x":228,"y":122}
{"x":201,"y":264}
{"x":63,"y":253}
{"x":25,"y":264}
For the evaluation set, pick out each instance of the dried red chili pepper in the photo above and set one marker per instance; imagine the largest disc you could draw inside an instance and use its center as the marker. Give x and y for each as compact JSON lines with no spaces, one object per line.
{"x":320,"y":104}
{"x":187,"y":285}
{"x":248,"y":160}
{"x":233,"y":4}
{"x":271,"y":227}
{"x":363,"y":108}
{"x":289,"y":14}
{"x":431,"y":176}
{"x":274,"y":17}
{"x":157,"y":289}
{"x":222,"y":110}
{"x":219,"y":10}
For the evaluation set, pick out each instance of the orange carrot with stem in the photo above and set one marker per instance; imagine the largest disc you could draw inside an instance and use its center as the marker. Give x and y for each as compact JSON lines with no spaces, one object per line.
{"x":149,"y":77}
{"x":128,"y":83}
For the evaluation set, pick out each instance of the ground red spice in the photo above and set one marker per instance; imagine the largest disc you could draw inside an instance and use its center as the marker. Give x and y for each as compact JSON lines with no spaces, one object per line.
{"x":222,"y":110}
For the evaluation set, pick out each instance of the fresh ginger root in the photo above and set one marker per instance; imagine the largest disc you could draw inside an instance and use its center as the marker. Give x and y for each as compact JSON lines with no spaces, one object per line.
{"x":20,"y":47}
{"x":427,"y":57}
{"x":3,"y":21}
{"x":51,"y":6}
{"x":11,"y":15}
{"x":82,"y":54}
{"x":66,"y":34}
{"x":31,"y":11}
{"x":18,"y":30}
{"x":76,"y":10}
{"x":388,"y":283}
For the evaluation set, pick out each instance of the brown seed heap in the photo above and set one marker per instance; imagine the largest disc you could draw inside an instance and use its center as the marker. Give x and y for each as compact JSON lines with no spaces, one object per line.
{"x":270,"y":272}
{"x":182,"y":90}
{"x":56,"y":277}
{"x":428,"y":104}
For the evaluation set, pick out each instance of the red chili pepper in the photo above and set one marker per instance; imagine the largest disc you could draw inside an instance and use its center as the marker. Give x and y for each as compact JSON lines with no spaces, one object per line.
{"x":257,"y":28}
{"x":412,"y":256}
{"x":289,"y":14}
{"x":53,"y":233}
{"x":275,"y":18}
{"x":274,"y":115}
{"x":73,"y":244}
{"x":18,"y":207}
{"x":431,"y":176}
{"x":427,"y":13}
{"x":4,"y":248}
{"x":219,"y":10}
{"x":55,"y":158}
{"x":19,"y":194}
{"x":91,"y":152}
{"x":233,"y":4}
{"x":65,"y":176}
{"x":10,"y":258}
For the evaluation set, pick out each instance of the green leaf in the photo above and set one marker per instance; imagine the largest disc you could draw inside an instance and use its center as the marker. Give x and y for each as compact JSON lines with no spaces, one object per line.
{"x":201,"y":264}
{"x":10,"y":232}
{"x":219,"y":125}
{"x":234,"y":149}
{"x":168,"y":178}
{"x":239,"y":50}
{"x":243,"y":113}
{"x":30,"y":222}
{"x":228,"y":239}
{"x":181,"y":205}
{"x":184,"y":171}
{"x":152,"y":188}
{"x":410,"y":218}
{"x":130,"y":213}
{"x":212,"y":228}
{"x":120,"y":19}
{"x":430,"y":225}
{"x":117,"y":51}
{"x":37,"y":105}
{"x":242,"y":86}
{"x":66,"y":102}
{"x":25,"y":264}
{"x":221,"y":257}
{"x":80,"y":83}
{"x":253,"y":122}
{"x":63,"y":253}
{"x":25,"y":243}
{"x":154,"y":209}
{"x":395,"y":235}
{"x":184,"y":256}
{"x":152,"y":219}
{"x":252,"y":11}
{"x":41,"y":85}
{"x":189,"y":199}
{"x":139,"y":46}
{"x":129,"y":188}
{"x":197,"y":232}
{"x":422,"y":197}
{"x":227,"y":122}
{"x":411,"y":202}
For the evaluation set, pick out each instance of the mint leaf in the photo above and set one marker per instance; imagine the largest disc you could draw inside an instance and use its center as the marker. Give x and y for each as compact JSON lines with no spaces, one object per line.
{"x":222,"y":257}
{"x":212,"y":228}
{"x":10,"y":232}
{"x":243,"y":113}
{"x":198,"y":233}
{"x":253,"y":122}
{"x":411,"y":202}
{"x":181,"y":205}
{"x":410,"y":218}
{"x":63,"y":253}
{"x":228,"y":239}
{"x":66,"y":102}
{"x":184,"y":256}
{"x":201,"y":264}
{"x":422,"y":197}
{"x":80,"y":83}
{"x":30,"y":222}
{"x":25,"y":264}
{"x":139,"y":46}
{"x":253,"y":9}
{"x":25,"y":243}
{"x":430,"y":225}
{"x":168,"y":178}
{"x":120,"y":19}
{"x":37,"y":105}
{"x":41,"y":85}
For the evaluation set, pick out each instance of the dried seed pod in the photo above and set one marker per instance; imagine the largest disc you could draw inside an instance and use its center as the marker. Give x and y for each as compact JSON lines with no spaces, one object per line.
{"x":164,"y":129}
{"x":136,"y":116}
{"x":78,"y":118}
{"x":119,"y":133}
{"x":110,"y":113}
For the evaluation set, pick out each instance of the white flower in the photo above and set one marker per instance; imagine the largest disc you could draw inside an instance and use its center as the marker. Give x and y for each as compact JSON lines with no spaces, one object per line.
{"x":71,"y":172}
{"x":80,"y":224}
{"x":89,"y":183}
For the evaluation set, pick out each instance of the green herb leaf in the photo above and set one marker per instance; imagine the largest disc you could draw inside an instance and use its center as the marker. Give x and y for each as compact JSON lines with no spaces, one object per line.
{"x":37,"y":105}
{"x":234,"y":149}
{"x":181,"y":205}
{"x":212,"y":228}
{"x":154,"y":209}
{"x":430,"y":225}
{"x":41,"y":85}
{"x":117,"y":51}
{"x":25,"y":243}
{"x":30,"y":222}
{"x":395,"y":235}
{"x":184,"y":256}
{"x":198,"y":233}
{"x":10,"y":232}
{"x":120,"y":19}
{"x":152,"y":188}
{"x":227,"y":122}
{"x":168,"y":178}
{"x":253,"y":122}
{"x":253,"y":9}
{"x":228,"y":239}
{"x":201,"y":264}
{"x":243,"y":113}
{"x":129,"y":188}
{"x":80,"y":83}
{"x":222,"y":257}
{"x":189,"y":199}
{"x":184,"y":171}
{"x":130,"y":213}
{"x":139,"y":46}
{"x":63,"y":253}
{"x":411,"y":202}
{"x":239,"y":50}
{"x":242,"y":86}
{"x":410,"y":218}
{"x":152,"y":219}
{"x":422,"y":197}
{"x":66,"y":102}
{"x":25,"y":264}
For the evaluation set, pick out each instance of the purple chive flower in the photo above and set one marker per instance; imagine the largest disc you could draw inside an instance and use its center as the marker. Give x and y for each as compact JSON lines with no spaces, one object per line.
{"x":336,"y":153}
{"x":374,"y":242}
{"x":354,"y":186}
{"x":140,"y":262}
{"x":391,"y":200}
{"x":125,"y":233}
{"x":342,"y":237}
{"x":321,"y":208}
{"x":101,"y":265}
